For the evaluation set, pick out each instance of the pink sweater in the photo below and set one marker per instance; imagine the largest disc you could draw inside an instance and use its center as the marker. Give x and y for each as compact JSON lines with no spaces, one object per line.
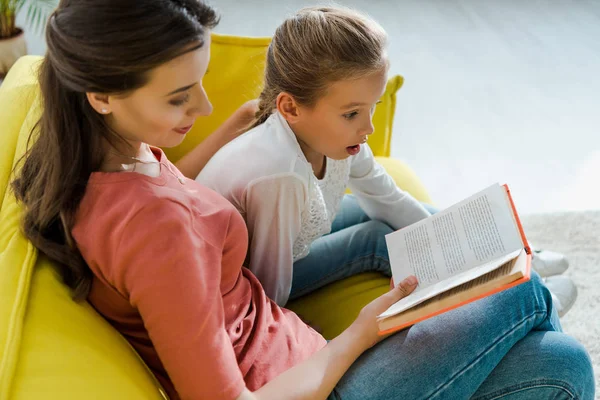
{"x":167,"y":257}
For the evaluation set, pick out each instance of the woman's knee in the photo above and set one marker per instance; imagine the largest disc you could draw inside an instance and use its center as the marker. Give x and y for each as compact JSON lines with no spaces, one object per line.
{"x":581,"y":372}
{"x":538,"y":291}
{"x":541,"y":365}
{"x":571,"y":365}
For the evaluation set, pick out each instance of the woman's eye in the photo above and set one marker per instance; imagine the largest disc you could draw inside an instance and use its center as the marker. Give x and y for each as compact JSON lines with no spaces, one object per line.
{"x":351,"y":115}
{"x":180,"y":101}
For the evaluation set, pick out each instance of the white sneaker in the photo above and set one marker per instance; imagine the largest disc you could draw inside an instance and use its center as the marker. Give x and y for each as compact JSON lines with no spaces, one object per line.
{"x":548,"y":263}
{"x":564,"y":292}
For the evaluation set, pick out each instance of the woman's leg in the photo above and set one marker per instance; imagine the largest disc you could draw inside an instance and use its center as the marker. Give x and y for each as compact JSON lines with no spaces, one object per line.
{"x":542,"y":365}
{"x":456,"y":355}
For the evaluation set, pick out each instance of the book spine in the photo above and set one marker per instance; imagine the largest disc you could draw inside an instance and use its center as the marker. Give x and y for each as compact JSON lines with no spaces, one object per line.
{"x":524,"y":279}
{"x":519,"y":226}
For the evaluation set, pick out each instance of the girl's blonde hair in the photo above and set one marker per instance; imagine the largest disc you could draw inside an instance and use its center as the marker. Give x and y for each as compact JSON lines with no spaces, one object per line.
{"x":315,"y":47}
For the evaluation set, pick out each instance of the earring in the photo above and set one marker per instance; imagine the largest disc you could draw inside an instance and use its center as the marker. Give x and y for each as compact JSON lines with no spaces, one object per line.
{"x":104,"y":111}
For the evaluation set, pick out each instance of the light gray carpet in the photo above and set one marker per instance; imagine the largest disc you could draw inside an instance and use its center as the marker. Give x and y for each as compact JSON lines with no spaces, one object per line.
{"x":576,"y":234}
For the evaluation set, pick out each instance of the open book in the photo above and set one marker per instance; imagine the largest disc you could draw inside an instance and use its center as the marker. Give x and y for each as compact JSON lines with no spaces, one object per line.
{"x":464,"y":253}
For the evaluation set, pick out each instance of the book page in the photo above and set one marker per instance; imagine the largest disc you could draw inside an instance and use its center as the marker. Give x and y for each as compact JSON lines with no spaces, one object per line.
{"x":509,"y":272}
{"x":480,"y":274}
{"x":471,"y":233}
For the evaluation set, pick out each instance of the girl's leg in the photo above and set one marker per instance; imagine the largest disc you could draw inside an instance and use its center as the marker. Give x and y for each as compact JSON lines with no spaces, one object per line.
{"x":351,"y":213}
{"x":455,"y":355}
{"x":347,"y":252}
{"x":356,"y":244}
{"x":432,"y":210}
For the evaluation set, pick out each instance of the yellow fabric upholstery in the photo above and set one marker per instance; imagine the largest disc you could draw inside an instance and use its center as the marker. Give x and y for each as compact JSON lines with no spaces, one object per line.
{"x":54,"y":348}
{"x":50,"y":346}
{"x":235,"y":75}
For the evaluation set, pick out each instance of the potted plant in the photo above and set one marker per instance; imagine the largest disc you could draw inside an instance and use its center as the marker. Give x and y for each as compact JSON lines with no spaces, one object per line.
{"x":12,"y":38}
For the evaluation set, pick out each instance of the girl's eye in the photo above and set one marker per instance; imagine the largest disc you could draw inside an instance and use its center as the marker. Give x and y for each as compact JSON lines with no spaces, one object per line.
{"x":181,"y":101}
{"x":351,"y":115}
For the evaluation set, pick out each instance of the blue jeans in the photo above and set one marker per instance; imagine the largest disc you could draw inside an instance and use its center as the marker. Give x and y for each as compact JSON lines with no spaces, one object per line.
{"x":355,"y":244}
{"x":506,"y":346}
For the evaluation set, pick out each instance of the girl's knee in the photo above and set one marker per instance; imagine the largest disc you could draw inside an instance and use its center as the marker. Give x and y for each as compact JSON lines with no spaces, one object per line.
{"x":375,"y":232}
{"x":378,"y":229}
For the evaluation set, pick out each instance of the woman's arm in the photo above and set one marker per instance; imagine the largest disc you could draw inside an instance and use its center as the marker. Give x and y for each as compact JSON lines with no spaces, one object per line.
{"x":192,"y":163}
{"x":175,"y":293}
{"x":317,"y":376}
{"x":169,"y":270}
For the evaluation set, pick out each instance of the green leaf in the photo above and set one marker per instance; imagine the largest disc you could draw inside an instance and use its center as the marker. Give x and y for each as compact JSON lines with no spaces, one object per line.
{"x":35,"y":19}
{"x":38,"y":12}
{"x":30,"y":10}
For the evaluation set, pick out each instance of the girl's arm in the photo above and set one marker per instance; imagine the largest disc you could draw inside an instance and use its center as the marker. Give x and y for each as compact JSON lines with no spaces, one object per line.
{"x":192,"y":163}
{"x":273,"y":208}
{"x":378,"y":194}
{"x":316,"y":377}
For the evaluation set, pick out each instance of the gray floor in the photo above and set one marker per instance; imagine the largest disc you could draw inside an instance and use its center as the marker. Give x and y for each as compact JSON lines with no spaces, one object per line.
{"x":579,"y":241}
{"x":496,"y":90}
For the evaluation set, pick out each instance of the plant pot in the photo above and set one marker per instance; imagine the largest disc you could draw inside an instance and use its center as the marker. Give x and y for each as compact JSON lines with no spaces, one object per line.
{"x":10,"y":50}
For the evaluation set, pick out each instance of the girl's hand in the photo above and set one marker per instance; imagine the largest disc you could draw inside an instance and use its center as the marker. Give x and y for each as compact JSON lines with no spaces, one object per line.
{"x":365,"y":325}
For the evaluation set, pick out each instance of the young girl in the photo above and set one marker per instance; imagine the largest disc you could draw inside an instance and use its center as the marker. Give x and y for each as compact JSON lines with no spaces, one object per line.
{"x":160,"y":256}
{"x":325,"y":72}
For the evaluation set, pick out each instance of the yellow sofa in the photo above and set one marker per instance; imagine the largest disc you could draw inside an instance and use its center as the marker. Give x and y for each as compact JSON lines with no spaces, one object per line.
{"x":54,"y":348}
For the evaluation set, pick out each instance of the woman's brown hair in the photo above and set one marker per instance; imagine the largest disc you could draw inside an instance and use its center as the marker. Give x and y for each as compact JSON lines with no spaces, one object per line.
{"x":318,"y":46}
{"x":98,"y":46}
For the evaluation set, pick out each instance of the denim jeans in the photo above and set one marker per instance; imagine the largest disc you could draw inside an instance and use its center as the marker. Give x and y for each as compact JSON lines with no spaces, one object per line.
{"x":355,"y":244}
{"x":506,"y":346}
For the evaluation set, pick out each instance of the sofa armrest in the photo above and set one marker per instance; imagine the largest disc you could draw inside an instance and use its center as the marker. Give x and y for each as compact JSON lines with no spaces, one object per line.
{"x":405,"y":178}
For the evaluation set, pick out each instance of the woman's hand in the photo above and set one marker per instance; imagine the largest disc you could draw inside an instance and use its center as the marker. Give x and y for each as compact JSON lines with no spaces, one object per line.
{"x":365,"y":325}
{"x":243,"y":117}
{"x":316,"y":377}
{"x":192,"y":163}
{"x":250,"y":108}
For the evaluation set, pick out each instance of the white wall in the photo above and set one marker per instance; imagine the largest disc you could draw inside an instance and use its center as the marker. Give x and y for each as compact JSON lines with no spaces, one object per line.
{"x":495,"y":91}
